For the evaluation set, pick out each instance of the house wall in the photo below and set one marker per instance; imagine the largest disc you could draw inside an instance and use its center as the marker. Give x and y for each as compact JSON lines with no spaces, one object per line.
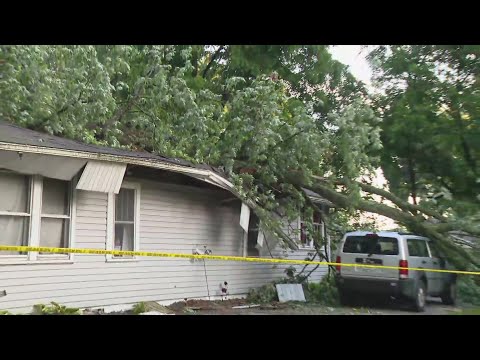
{"x":173,"y":218}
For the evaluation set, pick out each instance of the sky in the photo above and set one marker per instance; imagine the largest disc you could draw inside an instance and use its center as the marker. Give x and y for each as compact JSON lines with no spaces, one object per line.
{"x":354,"y":57}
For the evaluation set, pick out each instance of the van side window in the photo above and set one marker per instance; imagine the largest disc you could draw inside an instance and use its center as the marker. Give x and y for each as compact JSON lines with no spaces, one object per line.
{"x":417,"y":247}
{"x":434,"y":250}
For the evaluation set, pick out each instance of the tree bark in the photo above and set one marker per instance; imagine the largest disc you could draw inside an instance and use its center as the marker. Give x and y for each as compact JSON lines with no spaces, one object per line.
{"x":121,"y":112}
{"x":412,"y":178}
{"x":403,"y":205}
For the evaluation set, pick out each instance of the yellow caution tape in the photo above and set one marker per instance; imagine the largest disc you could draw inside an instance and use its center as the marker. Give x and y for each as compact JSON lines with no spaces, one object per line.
{"x":216,"y":257}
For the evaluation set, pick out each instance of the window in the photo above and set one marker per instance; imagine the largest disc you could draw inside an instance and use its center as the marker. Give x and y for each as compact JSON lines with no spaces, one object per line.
{"x":375,"y":245}
{"x":34,"y":211}
{"x":15,"y":211}
{"x":434,"y":250}
{"x":306,"y":239}
{"x":123,"y":216}
{"x":55,"y":215}
{"x":417,"y":247}
{"x":124,"y":219}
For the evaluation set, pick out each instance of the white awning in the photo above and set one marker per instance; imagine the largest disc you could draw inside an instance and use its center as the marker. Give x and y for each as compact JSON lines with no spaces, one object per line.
{"x":102,"y":176}
{"x":244,"y":217}
{"x":260,"y":236}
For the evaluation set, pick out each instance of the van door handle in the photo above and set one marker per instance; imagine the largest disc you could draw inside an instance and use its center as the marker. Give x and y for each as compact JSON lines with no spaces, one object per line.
{"x":424,"y":262}
{"x":435,"y":263}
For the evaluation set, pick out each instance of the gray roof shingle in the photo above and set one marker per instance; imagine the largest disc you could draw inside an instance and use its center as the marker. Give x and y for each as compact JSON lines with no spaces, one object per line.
{"x":10,"y":133}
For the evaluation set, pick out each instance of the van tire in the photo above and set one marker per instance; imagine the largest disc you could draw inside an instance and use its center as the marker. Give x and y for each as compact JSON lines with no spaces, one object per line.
{"x":449,"y":296}
{"x":420,"y":297}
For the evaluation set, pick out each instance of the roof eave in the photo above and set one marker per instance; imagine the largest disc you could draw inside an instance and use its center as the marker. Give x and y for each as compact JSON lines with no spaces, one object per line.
{"x":202,"y":174}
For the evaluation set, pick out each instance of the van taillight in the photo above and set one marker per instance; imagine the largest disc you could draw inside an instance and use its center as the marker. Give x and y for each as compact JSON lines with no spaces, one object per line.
{"x":403,"y":273}
{"x":338,"y":261}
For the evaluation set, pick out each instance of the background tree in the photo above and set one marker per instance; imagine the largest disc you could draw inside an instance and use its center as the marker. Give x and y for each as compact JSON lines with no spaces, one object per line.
{"x":431,"y":121}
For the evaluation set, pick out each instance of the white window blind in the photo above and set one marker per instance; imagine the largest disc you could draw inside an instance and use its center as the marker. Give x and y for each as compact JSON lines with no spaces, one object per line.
{"x":14,"y":210}
{"x":124,"y":220}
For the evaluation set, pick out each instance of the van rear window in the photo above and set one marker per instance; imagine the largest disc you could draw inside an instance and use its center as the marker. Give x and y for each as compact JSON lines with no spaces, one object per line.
{"x":371,"y":245}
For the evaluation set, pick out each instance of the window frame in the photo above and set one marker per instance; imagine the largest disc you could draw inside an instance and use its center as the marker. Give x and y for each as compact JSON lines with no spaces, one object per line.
{"x":110,"y":243}
{"x":320,"y":227}
{"x":20,"y":257}
{"x":425,"y":241}
{"x":35,"y":207}
{"x":254,"y":222}
{"x":438,"y":254}
{"x":70,"y":217}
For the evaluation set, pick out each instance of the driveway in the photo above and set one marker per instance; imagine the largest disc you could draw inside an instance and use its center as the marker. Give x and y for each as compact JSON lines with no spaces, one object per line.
{"x":433,"y":307}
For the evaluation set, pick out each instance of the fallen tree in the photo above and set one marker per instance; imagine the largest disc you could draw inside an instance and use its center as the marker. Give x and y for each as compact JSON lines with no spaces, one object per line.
{"x":290,"y":115}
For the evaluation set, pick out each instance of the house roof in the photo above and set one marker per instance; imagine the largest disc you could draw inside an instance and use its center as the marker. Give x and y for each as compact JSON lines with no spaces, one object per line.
{"x":10,"y":133}
{"x":317,"y":197}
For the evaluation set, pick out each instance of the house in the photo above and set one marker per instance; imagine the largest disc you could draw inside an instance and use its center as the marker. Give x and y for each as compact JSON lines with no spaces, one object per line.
{"x":61,"y":193}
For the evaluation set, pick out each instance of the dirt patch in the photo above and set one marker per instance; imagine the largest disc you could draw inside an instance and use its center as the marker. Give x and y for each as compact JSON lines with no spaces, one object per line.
{"x":226,"y":307}
{"x":194,"y":306}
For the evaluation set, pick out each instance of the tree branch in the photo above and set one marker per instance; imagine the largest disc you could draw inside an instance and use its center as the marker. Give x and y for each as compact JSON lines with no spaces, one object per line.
{"x":214,"y":57}
{"x":412,"y":178}
{"x":412,"y":222}
{"x":120,"y":113}
{"x":405,"y":206}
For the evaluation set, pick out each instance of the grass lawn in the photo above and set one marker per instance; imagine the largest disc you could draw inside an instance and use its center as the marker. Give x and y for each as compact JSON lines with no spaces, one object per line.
{"x":474,"y":311}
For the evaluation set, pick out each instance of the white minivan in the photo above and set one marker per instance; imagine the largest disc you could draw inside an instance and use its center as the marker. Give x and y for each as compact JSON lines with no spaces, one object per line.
{"x":392,"y":249}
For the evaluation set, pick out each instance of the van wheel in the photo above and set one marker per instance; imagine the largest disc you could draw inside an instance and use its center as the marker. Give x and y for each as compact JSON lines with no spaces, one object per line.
{"x":449,"y":296}
{"x":420,"y":297}
{"x":347,"y":298}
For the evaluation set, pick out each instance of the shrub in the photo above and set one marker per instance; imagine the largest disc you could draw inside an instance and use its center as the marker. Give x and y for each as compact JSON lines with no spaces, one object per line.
{"x":265,"y":294}
{"x":139,"y":308}
{"x":468,"y":290}
{"x":55,"y":309}
{"x":325,"y":292}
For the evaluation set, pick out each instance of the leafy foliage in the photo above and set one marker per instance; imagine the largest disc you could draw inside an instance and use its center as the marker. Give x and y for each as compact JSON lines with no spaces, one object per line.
{"x":469,"y":289}
{"x":275,"y":118}
{"x":325,"y":292}
{"x":55,"y":309}
{"x":431,"y":113}
{"x":265,"y":294}
{"x":139,"y":308}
